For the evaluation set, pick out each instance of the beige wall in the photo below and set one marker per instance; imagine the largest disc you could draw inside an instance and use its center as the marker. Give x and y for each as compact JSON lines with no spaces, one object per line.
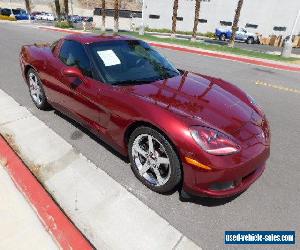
{"x":124,"y":23}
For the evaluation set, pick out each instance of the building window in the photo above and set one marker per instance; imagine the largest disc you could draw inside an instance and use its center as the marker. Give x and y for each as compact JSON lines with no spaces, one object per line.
{"x":154,"y":16}
{"x":279,"y":28}
{"x":250,"y":25}
{"x":225,"y":23}
{"x":202,"y":21}
{"x":179,"y":18}
{"x":122,"y":13}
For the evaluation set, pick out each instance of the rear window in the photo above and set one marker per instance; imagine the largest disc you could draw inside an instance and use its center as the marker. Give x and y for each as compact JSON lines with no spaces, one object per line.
{"x":5,"y":12}
{"x":16,"y":12}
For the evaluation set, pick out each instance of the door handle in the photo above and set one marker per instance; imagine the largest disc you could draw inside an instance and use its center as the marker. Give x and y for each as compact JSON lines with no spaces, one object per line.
{"x":76,"y":83}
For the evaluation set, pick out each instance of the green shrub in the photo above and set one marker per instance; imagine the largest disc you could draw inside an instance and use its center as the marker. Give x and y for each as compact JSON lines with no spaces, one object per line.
{"x":63,"y":25}
{"x":207,"y":34}
{"x":158,"y":30}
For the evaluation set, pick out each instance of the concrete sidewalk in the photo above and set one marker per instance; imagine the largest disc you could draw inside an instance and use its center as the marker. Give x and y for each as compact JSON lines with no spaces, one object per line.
{"x":20,"y":228}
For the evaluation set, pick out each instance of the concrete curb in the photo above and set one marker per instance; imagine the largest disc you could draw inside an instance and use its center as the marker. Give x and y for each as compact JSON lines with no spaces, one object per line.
{"x":202,"y":52}
{"x":107,"y":214}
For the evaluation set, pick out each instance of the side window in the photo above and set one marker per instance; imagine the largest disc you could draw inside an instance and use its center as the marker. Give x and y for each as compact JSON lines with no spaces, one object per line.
{"x":73,"y":54}
{"x":5,"y":12}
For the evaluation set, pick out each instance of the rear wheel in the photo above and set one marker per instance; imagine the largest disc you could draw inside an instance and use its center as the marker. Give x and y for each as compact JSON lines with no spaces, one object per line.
{"x":36,"y":90}
{"x":153,"y":160}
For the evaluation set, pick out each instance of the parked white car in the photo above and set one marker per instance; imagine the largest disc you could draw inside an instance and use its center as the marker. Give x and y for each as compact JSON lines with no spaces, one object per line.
{"x":45,"y":16}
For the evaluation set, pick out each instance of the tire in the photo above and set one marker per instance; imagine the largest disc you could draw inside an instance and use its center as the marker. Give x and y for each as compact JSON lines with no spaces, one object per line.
{"x":36,"y":90}
{"x":162,"y":160}
{"x":222,"y":37}
{"x":250,"y":40}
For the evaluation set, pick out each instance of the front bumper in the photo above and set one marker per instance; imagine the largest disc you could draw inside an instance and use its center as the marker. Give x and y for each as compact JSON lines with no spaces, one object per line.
{"x":226,"y":182}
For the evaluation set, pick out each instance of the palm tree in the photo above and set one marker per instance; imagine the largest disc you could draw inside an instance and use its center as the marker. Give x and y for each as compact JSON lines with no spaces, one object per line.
{"x":28,"y":6}
{"x":103,"y":16}
{"x":116,"y":17}
{"x":66,"y":7}
{"x":57,"y":9}
{"x":174,"y":17}
{"x":236,"y":22}
{"x":196,"y":20}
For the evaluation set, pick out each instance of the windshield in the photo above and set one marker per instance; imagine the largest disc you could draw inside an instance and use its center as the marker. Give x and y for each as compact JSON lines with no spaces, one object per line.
{"x":18,"y":11}
{"x":130,"y":62}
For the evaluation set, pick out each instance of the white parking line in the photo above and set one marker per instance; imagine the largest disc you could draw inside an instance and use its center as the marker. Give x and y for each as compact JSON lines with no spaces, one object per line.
{"x":278,"y":87}
{"x":105,"y":212}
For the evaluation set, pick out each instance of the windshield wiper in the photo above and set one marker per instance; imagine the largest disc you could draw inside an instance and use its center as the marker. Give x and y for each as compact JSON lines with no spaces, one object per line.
{"x":170,"y":70}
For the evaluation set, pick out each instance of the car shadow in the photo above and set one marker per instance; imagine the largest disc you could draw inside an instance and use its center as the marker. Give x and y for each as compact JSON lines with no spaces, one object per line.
{"x":216,"y":42}
{"x":97,"y":139}
{"x":203,"y":201}
{"x":206,"y":201}
{"x":264,"y":70}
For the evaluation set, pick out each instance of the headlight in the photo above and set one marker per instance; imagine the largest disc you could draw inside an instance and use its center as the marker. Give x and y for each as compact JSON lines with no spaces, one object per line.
{"x":213,"y":141}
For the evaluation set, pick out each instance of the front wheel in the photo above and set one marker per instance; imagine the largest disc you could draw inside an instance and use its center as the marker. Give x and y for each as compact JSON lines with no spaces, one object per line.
{"x":222,"y":37}
{"x":36,"y":90}
{"x":250,"y":40}
{"x":153,"y":160}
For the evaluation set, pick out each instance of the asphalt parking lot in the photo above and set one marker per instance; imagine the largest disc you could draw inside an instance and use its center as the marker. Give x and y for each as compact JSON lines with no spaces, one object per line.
{"x":272,"y":203}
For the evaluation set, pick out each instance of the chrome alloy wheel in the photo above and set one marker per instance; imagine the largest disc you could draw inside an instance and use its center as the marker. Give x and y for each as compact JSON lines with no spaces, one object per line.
{"x":35,"y":89}
{"x":151,"y":160}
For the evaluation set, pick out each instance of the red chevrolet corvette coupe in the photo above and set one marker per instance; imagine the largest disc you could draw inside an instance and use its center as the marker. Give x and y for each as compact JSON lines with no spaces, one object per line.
{"x":179,"y":129}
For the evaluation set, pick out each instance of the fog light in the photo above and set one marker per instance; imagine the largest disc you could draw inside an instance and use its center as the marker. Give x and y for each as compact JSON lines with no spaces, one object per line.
{"x":222,"y":186}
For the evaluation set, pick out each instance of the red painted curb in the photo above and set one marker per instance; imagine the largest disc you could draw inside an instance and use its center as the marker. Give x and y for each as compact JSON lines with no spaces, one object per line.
{"x":204,"y":53}
{"x":54,"y":220}
{"x":229,"y":57}
{"x":62,"y":30}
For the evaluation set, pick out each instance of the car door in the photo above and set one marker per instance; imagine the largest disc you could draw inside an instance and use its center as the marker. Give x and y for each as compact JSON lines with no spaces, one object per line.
{"x":239,"y":34}
{"x":80,"y":94}
{"x":242,"y":34}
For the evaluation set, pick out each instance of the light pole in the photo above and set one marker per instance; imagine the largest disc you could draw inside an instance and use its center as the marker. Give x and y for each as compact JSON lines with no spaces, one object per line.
{"x":142,"y":26}
{"x":11,"y":11}
{"x":288,"y":45}
{"x":72,"y":7}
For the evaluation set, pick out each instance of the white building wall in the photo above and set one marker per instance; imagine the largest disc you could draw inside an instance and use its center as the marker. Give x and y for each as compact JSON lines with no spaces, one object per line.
{"x":264,"y":13}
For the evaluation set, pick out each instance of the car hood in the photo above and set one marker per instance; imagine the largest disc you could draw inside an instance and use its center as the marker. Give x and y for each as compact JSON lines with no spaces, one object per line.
{"x":203,"y":100}
{"x":224,"y":29}
{"x":251,"y":34}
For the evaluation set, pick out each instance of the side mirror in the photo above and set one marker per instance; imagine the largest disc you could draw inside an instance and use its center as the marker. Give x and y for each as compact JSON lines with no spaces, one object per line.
{"x":73,"y":72}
